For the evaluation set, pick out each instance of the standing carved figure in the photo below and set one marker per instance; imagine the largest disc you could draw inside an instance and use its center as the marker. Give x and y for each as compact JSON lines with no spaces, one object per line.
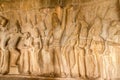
{"x":45,"y":28}
{"x":4,"y":53}
{"x":14,"y":37}
{"x":35,"y":51}
{"x":58,"y":29}
{"x":82,"y":43}
{"x":25,"y":45}
{"x":70,"y":48}
{"x":96,"y":46}
{"x":73,"y":52}
{"x":66,"y":42}
{"x":112,"y":48}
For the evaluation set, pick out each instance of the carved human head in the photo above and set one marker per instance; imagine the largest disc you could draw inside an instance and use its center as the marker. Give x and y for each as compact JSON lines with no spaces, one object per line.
{"x":26,"y":34}
{"x":3,"y":21}
{"x":42,"y":14}
{"x":73,"y":40}
{"x":36,"y":33}
{"x":58,"y":10}
{"x":97,"y":27}
{"x":38,"y":18}
{"x":55,"y":20}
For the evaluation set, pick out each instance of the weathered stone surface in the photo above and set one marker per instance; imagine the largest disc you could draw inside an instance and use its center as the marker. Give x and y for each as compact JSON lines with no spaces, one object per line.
{"x":60,"y":39}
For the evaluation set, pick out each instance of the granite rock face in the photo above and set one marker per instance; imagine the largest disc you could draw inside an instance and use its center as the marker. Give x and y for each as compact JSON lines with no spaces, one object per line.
{"x":60,"y":38}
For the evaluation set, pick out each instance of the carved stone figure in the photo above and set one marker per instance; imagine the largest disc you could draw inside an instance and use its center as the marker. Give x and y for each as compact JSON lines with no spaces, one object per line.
{"x":71,"y":56}
{"x":14,"y":37}
{"x":25,"y":46}
{"x":82,"y":43}
{"x":68,"y":42}
{"x":96,"y":47}
{"x":44,"y":26}
{"x":74,"y":53}
{"x":112,"y":47}
{"x":35,"y":51}
{"x":4,"y":53}
{"x":58,"y":29}
{"x":60,"y":38}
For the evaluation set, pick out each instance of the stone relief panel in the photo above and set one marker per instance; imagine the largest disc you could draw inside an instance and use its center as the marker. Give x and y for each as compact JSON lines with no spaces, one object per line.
{"x":70,"y":41}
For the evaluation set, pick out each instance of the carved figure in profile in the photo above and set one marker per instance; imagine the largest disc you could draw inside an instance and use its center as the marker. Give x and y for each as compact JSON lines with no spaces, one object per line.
{"x":82,"y":43}
{"x":25,"y":45}
{"x":95,"y":47}
{"x":72,"y":51}
{"x":35,"y":51}
{"x":112,"y":48}
{"x":4,"y":53}
{"x":14,"y":36}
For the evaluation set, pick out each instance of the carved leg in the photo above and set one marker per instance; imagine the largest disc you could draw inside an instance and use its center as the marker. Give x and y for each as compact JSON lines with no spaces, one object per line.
{"x":90,"y":65}
{"x":56,"y":64}
{"x":45,"y":59}
{"x":65,"y":60}
{"x":97,"y":67}
{"x":47,"y":62}
{"x":51,"y":64}
{"x":34,"y":66}
{"x":75,"y":70}
{"x":14,"y":55}
{"x":82,"y":62}
{"x":102,"y":65}
{"x":26,"y":62}
{"x":21,"y":62}
{"x":103,"y":74}
{"x":32,"y":62}
{"x":71,"y":61}
{"x":1,"y":60}
{"x":107,"y":66}
{"x":5,"y":65}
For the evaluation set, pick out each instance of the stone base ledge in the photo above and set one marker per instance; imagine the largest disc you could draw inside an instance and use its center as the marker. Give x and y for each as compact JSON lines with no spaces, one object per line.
{"x":20,"y":77}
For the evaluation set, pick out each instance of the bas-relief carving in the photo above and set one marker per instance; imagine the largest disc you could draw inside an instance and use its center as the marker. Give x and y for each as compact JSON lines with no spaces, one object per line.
{"x":96,"y":46}
{"x":4,"y":53}
{"x":61,"y":42}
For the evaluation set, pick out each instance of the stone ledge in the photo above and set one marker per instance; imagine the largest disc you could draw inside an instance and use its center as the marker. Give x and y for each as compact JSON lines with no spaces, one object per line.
{"x":18,"y":77}
{"x":21,"y":77}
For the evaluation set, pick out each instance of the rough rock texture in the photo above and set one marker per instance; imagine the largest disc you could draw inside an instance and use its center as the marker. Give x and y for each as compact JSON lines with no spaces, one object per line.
{"x":60,"y":38}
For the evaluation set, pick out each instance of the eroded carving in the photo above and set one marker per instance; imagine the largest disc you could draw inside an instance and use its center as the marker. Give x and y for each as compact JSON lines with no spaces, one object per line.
{"x":4,"y":53}
{"x":69,"y":41}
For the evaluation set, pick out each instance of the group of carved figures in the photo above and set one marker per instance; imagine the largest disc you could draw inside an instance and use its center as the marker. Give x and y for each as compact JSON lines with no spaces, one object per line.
{"x":58,"y":43}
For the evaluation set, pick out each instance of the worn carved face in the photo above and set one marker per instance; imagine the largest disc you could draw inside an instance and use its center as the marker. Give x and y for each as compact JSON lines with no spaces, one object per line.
{"x":3,"y":21}
{"x":26,"y":35}
{"x":36,"y":33}
{"x":55,"y":20}
{"x":38,"y":18}
{"x":97,"y":27}
{"x":73,"y":42}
